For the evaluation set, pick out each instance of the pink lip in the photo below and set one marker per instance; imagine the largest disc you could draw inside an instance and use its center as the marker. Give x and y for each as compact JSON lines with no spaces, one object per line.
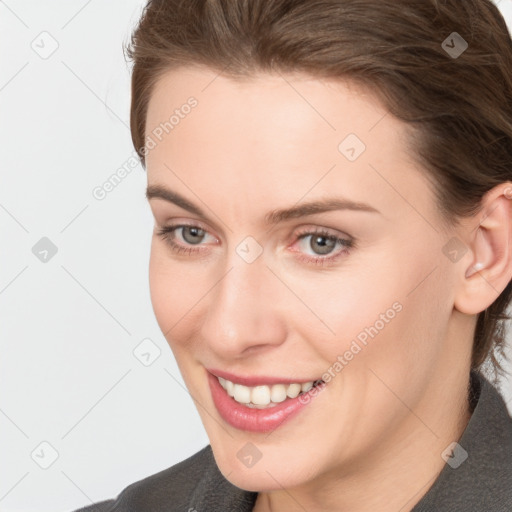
{"x":249,"y":419}
{"x":255,"y":381}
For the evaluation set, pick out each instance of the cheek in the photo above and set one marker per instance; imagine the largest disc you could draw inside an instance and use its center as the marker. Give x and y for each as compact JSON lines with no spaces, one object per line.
{"x":399,"y":322}
{"x":169,"y":286}
{"x":387,"y":314}
{"x":352,"y":304}
{"x":178,"y":293}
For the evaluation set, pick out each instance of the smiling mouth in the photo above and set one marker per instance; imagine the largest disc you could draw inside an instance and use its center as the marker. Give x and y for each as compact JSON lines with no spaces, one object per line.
{"x":264,"y":396}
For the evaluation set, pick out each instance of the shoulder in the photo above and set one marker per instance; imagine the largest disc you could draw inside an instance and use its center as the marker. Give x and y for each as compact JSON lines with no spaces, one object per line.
{"x":174,"y":488}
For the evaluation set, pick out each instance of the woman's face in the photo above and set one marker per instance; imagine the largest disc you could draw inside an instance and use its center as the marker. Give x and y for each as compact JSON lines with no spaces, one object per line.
{"x":276,"y":297}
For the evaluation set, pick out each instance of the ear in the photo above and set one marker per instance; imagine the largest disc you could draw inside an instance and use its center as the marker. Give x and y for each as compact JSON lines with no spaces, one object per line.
{"x":488,"y":237}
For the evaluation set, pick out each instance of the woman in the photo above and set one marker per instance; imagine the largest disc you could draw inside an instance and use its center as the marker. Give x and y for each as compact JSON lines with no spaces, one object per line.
{"x":331,"y":261}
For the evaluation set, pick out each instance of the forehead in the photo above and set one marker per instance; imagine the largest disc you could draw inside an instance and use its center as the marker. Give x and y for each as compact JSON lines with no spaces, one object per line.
{"x":277,"y":138}
{"x":278,"y":99}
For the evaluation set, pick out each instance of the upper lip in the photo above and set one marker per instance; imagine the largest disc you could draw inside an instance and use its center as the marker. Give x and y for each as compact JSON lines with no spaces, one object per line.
{"x":252,"y":381}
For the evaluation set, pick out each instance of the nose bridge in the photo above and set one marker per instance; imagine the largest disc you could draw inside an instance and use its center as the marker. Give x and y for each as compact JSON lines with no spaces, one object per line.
{"x":240,"y":314}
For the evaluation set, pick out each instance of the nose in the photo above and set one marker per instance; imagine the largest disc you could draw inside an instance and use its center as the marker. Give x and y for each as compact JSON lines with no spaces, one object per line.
{"x":244,"y":312}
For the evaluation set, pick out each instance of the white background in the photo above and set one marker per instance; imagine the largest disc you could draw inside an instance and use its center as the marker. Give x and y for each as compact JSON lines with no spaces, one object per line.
{"x":69,"y":326}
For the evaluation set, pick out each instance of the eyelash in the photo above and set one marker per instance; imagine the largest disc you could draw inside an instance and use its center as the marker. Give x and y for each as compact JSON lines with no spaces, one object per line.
{"x":347,"y":243}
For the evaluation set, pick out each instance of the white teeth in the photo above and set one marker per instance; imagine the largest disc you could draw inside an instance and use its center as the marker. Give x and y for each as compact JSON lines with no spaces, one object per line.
{"x":261,"y":396}
{"x":278,"y":393}
{"x":242,"y":394}
{"x":230,"y":388}
{"x":293,"y":390}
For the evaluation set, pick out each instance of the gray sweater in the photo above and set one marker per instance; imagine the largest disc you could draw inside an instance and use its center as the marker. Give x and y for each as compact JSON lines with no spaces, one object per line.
{"x":481,"y":483}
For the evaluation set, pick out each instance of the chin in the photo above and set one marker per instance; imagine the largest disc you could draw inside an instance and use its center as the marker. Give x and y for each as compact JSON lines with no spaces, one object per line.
{"x":261,"y":481}
{"x":268,"y":474}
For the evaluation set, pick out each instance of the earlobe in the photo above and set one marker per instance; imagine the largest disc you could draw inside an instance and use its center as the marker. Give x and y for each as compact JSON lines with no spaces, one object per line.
{"x":490,"y":269}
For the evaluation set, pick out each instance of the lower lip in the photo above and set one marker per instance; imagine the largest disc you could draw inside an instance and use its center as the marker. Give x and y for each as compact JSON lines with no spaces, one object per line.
{"x":249,"y":419}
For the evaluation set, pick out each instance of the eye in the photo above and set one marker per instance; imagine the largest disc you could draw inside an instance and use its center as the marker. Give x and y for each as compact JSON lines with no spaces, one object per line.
{"x":190,"y":234}
{"x":322,"y":243}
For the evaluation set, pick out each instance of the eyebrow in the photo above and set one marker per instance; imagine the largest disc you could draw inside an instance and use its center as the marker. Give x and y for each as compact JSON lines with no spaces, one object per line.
{"x":272,"y":217}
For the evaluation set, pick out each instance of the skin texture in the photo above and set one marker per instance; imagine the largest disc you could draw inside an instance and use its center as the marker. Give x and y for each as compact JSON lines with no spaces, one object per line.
{"x":372,"y":438}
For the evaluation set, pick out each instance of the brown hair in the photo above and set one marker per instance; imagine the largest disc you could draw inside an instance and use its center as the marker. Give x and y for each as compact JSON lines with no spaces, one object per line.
{"x":458,"y":108}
